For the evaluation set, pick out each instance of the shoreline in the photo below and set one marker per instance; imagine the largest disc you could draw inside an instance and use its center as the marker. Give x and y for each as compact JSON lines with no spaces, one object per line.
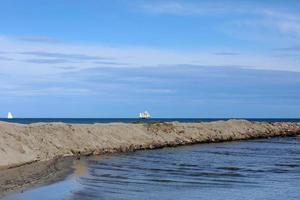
{"x":45,"y":151}
{"x":25,"y":144}
{"x":33,"y":175}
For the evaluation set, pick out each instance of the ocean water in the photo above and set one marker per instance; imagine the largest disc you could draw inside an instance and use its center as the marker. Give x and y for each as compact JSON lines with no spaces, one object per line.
{"x":133,"y":120}
{"x":267,"y":169}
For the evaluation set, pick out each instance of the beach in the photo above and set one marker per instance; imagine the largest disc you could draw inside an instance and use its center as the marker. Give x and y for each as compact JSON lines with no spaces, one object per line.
{"x":42,"y":144}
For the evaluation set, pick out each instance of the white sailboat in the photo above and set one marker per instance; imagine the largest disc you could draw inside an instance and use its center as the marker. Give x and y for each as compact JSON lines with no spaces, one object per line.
{"x":144,"y":115}
{"x":10,"y":116}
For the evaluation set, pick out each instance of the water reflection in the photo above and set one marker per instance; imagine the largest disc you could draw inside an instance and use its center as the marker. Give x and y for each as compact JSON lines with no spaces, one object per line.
{"x":80,"y":167}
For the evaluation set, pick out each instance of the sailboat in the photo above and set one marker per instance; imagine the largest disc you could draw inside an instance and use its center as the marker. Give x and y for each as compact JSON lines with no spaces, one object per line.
{"x":144,"y":115}
{"x":10,"y":116}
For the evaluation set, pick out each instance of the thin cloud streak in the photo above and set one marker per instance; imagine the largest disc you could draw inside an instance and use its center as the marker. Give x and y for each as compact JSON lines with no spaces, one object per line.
{"x":4,"y":58}
{"x":47,"y":61}
{"x":226,"y":53}
{"x":289,"y":49}
{"x":263,"y":16}
{"x":54,"y":56}
{"x":200,"y":8}
{"x":65,"y":56}
{"x":38,"y":39}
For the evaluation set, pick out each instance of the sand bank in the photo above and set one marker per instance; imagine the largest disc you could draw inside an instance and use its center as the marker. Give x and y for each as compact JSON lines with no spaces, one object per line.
{"x":25,"y":144}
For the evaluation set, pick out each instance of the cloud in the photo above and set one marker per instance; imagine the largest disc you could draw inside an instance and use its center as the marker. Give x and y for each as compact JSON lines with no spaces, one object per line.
{"x":32,"y":60}
{"x":224,"y":53}
{"x":110,"y":63}
{"x":284,"y":22}
{"x":23,"y":91}
{"x":81,"y":57}
{"x":189,"y":81}
{"x":199,"y":8}
{"x":275,"y":13}
{"x":289,"y":49}
{"x":38,"y":39}
{"x":4,"y":58}
{"x":67,"y":67}
{"x":287,"y":21}
{"x":157,"y":91}
{"x":254,"y":19}
{"x":277,"y":26}
{"x":47,"y":61}
{"x":42,"y":57}
{"x":168,"y":7}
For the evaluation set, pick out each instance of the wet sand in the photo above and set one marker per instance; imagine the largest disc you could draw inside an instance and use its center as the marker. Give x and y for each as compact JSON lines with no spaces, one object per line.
{"x":36,"y":174}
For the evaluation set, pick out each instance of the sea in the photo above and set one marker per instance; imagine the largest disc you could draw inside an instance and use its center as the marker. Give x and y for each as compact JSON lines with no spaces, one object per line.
{"x":134,"y":120}
{"x":267,"y":169}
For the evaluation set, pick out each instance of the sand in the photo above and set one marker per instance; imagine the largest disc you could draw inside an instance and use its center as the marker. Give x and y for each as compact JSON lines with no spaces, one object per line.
{"x":37,"y":174}
{"x":29,"y":153}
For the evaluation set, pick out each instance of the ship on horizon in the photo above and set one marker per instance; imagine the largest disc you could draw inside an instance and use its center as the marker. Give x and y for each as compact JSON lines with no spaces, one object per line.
{"x":10,"y":115}
{"x":144,"y":115}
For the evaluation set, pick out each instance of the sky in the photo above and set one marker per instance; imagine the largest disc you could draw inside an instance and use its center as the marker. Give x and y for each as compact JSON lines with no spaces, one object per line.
{"x":174,"y":58}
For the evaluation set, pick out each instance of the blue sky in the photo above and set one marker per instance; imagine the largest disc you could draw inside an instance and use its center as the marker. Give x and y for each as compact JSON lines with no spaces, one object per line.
{"x":94,"y":58}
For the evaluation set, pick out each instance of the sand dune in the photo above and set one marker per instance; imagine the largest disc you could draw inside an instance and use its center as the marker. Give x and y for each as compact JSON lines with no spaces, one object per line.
{"x":24,"y":144}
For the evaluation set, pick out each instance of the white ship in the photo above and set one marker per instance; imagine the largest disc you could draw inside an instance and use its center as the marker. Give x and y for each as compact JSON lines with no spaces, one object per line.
{"x":145,"y":115}
{"x":10,"y":116}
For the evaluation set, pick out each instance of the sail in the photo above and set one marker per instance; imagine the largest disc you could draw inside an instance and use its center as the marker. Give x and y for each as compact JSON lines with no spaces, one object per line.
{"x":10,"y":116}
{"x":144,"y":115}
{"x":147,"y":114}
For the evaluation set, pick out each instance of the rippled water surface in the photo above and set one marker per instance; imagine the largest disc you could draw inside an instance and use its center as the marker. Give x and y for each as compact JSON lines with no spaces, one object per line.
{"x":258,"y":169}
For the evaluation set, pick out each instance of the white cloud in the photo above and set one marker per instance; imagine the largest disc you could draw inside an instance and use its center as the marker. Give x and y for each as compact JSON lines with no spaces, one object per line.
{"x":252,"y":17}
{"x":39,"y":39}
{"x":199,"y":8}
{"x":290,"y":27}
{"x":37,"y":68}
{"x":284,"y":22}
{"x":36,"y":58}
{"x":169,"y":7}
{"x":21,"y":91}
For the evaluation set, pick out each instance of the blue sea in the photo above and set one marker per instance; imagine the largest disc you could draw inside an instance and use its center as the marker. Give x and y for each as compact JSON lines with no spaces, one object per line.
{"x":134,"y":120}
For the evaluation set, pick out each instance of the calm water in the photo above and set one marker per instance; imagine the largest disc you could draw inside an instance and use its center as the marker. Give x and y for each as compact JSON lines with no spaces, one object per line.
{"x":132,"y":120}
{"x":266,"y":169}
